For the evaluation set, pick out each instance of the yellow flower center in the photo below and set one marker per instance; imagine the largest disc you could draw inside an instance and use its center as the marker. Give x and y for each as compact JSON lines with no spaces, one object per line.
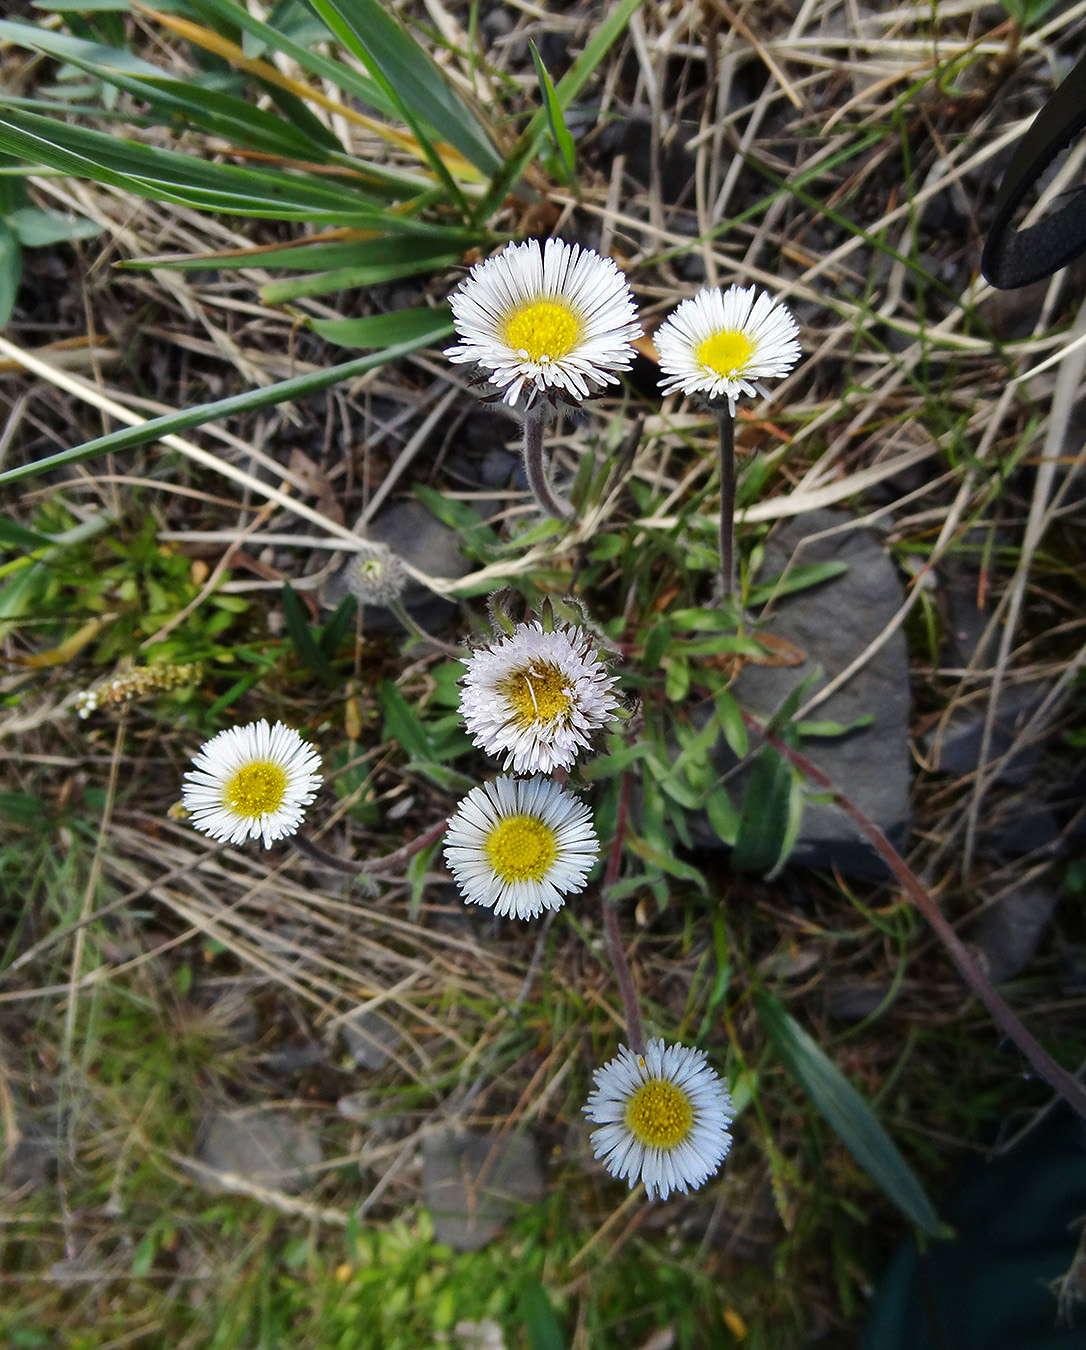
{"x":537,"y":693}
{"x":521,"y":848}
{"x":543,"y":330}
{"x":659,"y":1114}
{"x":256,"y":789}
{"x":725,"y":353}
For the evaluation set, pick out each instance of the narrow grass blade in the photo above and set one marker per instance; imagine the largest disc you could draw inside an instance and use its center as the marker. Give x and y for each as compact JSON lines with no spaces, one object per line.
{"x":568,"y":87}
{"x":203,"y":413}
{"x":555,"y":120}
{"x":847,"y":1114}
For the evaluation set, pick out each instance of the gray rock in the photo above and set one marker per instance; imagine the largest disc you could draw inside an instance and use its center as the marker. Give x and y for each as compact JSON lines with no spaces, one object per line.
{"x":261,"y":1147}
{"x":370,"y":1037}
{"x":1012,"y":929}
{"x":32,"y":1163}
{"x":411,"y":531}
{"x":473,"y":1183}
{"x":832,"y":624}
{"x":955,"y":745}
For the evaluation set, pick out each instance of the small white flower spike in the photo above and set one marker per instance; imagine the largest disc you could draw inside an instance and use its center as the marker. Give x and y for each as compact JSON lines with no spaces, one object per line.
{"x":520,"y":846}
{"x":554,"y":321}
{"x":664,"y":1118}
{"x":537,"y":697}
{"x":716,"y":344}
{"x":251,"y":782}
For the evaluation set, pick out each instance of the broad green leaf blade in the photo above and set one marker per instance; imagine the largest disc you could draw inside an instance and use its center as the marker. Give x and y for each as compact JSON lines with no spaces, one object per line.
{"x":38,"y":227}
{"x":763,"y":825}
{"x":847,"y":1114}
{"x":405,"y":258}
{"x":269,"y":39}
{"x":16,"y":536}
{"x":409,"y":75}
{"x":11,"y":270}
{"x":165,"y":175}
{"x":203,"y":413}
{"x":555,"y":120}
{"x":305,"y":644}
{"x":419,"y":327}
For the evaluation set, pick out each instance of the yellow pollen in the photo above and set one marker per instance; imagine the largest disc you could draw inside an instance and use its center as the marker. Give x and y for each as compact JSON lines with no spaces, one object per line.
{"x":659,"y":1114}
{"x":725,"y":353}
{"x":536,"y":694}
{"x":256,"y":789}
{"x":521,"y":848}
{"x":543,"y":330}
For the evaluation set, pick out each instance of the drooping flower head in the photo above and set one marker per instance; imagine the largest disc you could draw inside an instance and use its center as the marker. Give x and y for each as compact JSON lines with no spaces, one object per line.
{"x":663,"y":1118}
{"x":537,"y":696}
{"x":520,"y":846}
{"x":554,"y":320}
{"x":375,"y":575}
{"x":717,"y":343}
{"x":251,"y":782}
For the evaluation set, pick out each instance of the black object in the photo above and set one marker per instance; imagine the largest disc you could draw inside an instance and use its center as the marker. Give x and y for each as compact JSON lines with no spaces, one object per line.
{"x":1018,"y":257}
{"x":1017,"y":1222}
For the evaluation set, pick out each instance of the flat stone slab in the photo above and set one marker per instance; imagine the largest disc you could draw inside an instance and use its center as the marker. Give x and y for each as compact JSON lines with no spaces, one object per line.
{"x":260,"y":1147}
{"x":473,"y":1183}
{"x":832,"y":624}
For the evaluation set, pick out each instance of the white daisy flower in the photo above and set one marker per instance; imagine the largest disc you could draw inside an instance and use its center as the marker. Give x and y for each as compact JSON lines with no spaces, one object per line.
{"x":537,"y":697}
{"x":552,"y":320}
{"x":718,"y":342}
{"x":664,"y":1118}
{"x":520,"y":845}
{"x":251,"y":782}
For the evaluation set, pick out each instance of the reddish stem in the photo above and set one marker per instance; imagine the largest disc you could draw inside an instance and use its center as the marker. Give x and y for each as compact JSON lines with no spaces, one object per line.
{"x":1068,"y":1087}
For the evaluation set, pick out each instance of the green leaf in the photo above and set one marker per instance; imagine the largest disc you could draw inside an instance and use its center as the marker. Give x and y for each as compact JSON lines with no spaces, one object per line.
{"x":555,"y":120}
{"x":413,"y":82}
{"x":414,"y":327}
{"x":537,"y":1312}
{"x":337,"y":627}
{"x":568,"y":87}
{"x":764,"y":821}
{"x":402,"y":725}
{"x":304,"y":643}
{"x":199,"y":415}
{"x":37,"y":228}
{"x":14,"y":535}
{"x":800,"y":578}
{"x":11,"y":270}
{"x":398,"y":258}
{"x":847,"y":1114}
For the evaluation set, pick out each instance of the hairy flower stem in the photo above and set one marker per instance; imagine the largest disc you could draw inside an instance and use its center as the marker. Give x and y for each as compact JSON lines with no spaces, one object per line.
{"x":623,"y":974}
{"x":396,"y":606}
{"x":389,"y":862}
{"x":533,"y":465}
{"x":727,"y":502}
{"x":1069,"y":1088}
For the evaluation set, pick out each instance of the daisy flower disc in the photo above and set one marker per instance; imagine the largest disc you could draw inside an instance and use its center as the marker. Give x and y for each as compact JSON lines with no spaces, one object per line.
{"x":553,"y":320}
{"x":251,"y":782}
{"x":536,"y":697}
{"x":663,"y":1118}
{"x":718,"y":342}
{"x":520,"y":846}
